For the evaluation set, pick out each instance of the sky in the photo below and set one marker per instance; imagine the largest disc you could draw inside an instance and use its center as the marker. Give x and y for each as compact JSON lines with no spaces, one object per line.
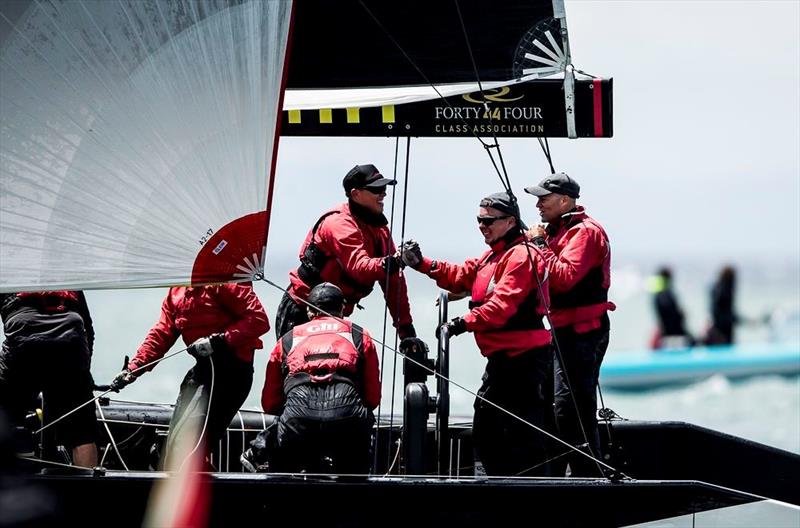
{"x":703,"y":168}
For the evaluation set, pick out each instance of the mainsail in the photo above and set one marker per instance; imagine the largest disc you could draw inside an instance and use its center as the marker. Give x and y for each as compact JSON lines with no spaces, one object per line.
{"x":137,"y":137}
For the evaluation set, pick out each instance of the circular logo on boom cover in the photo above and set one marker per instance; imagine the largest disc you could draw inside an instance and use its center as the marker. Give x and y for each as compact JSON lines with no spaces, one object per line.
{"x":234,"y":253}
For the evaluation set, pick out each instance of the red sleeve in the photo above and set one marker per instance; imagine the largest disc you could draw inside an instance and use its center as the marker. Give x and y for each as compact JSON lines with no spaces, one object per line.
{"x":272,"y":397}
{"x":158,"y":340}
{"x":397,"y":294}
{"x":372,"y":380}
{"x":251,"y":321}
{"x":581,"y":252}
{"x":342,"y":234}
{"x":513,"y":285}
{"x":455,"y":278}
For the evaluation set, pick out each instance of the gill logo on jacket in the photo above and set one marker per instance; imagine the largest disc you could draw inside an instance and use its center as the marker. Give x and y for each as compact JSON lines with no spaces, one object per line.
{"x":322,"y":327}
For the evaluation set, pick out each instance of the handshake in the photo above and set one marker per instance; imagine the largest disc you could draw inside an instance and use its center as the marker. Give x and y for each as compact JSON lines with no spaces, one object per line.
{"x":409,"y":254}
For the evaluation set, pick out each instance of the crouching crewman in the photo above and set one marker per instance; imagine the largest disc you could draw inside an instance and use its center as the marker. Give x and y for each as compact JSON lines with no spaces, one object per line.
{"x":322,"y":382}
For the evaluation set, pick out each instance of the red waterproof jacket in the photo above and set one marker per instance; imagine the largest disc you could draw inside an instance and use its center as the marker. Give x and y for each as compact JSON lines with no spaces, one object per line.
{"x":324,"y":347}
{"x":506,"y":309}
{"x":579,"y":260}
{"x":233,"y":309}
{"x":355,"y":251}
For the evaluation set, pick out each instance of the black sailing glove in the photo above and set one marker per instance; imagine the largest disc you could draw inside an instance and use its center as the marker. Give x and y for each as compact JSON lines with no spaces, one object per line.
{"x":455,"y":327}
{"x":393,"y":263}
{"x":412,"y":346}
{"x":205,"y":346}
{"x":411,"y":253}
{"x":406,"y":330}
{"x":122,"y":380}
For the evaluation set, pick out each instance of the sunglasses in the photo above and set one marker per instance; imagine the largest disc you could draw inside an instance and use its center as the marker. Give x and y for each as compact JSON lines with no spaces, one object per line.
{"x":375,"y":190}
{"x":489,"y":220}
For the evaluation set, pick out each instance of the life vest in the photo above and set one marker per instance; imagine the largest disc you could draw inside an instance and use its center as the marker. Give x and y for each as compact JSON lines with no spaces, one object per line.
{"x":526,"y":326}
{"x":590,"y":289}
{"x":325,"y":350}
{"x":585,"y":304}
{"x":314,"y":259}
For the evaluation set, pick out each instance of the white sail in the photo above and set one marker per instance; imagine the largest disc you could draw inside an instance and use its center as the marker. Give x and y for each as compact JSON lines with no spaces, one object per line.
{"x":136,"y":144}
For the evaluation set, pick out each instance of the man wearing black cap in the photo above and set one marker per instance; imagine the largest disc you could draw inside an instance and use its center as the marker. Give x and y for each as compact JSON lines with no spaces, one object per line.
{"x":350,"y":246}
{"x":578,"y":256}
{"x":505,"y":316}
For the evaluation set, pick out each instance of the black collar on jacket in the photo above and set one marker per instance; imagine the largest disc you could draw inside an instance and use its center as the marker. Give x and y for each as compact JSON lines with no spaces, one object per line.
{"x":367,"y":216}
{"x":511,"y":238}
{"x":565,"y":220}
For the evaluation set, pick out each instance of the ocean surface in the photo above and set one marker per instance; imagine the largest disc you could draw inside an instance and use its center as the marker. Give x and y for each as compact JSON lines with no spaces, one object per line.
{"x":765,"y":409}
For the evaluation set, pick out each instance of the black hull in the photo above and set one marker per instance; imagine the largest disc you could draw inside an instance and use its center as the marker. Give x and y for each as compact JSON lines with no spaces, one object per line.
{"x":121,"y":499}
{"x":674,"y":468}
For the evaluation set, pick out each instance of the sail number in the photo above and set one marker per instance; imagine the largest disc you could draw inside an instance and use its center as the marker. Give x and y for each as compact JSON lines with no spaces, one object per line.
{"x":206,"y":236}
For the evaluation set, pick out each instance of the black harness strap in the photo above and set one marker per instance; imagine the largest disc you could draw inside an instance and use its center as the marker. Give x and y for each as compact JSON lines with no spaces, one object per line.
{"x":314,"y":259}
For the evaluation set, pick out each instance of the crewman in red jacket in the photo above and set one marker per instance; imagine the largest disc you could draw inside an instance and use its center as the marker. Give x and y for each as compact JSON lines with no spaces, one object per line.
{"x":48,"y":347}
{"x":578,"y":256}
{"x":322,"y":381}
{"x":222,"y":325}
{"x":350,"y":246}
{"x":509,"y":294}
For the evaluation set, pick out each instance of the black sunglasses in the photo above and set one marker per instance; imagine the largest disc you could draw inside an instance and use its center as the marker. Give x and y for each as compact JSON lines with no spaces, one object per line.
{"x":375,"y":190}
{"x":489,"y":220}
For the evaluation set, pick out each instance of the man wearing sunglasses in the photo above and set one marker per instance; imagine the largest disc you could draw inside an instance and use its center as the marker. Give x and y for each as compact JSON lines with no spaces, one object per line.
{"x":508,"y":285}
{"x":578,"y":256}
{"x":351,"y":247}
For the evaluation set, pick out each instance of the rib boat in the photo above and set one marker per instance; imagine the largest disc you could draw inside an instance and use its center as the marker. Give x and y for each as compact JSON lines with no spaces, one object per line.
{"x":641,"y":370}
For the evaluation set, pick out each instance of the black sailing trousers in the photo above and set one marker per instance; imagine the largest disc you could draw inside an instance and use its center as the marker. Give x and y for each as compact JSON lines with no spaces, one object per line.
{"x":504,"y":444}
{"x":576,"y":376}
{"x":219,"y":401}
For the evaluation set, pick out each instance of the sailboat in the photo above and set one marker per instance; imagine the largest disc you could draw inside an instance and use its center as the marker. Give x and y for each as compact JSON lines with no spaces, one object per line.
{"x":138,"y":148}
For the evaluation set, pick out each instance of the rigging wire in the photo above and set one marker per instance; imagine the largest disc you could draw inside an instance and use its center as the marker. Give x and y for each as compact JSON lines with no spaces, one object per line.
{"x":110,"y":437}
{"x":430,"y":83}
{"x":504,"y":174}
{"x":546,"y":149}
{"x":398,"y":298}
{"x":386,"y":308}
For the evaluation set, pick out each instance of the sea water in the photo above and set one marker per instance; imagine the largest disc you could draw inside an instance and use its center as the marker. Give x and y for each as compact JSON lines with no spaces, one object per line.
{"x":765,"y":409}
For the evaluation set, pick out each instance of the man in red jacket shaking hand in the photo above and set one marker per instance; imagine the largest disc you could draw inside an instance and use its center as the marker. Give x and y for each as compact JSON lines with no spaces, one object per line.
{"x":509,"y":295}
{"x":350,"y":246}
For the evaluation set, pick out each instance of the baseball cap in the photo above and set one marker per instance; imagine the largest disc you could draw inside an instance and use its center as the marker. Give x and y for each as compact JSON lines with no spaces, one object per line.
{"x":503,"y":203}
{"x":558,"y":183}
{"x":362,"y":176}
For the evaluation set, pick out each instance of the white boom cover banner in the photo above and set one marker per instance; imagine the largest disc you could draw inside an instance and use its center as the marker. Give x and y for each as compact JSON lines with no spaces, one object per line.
{"x":136,"y":140}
